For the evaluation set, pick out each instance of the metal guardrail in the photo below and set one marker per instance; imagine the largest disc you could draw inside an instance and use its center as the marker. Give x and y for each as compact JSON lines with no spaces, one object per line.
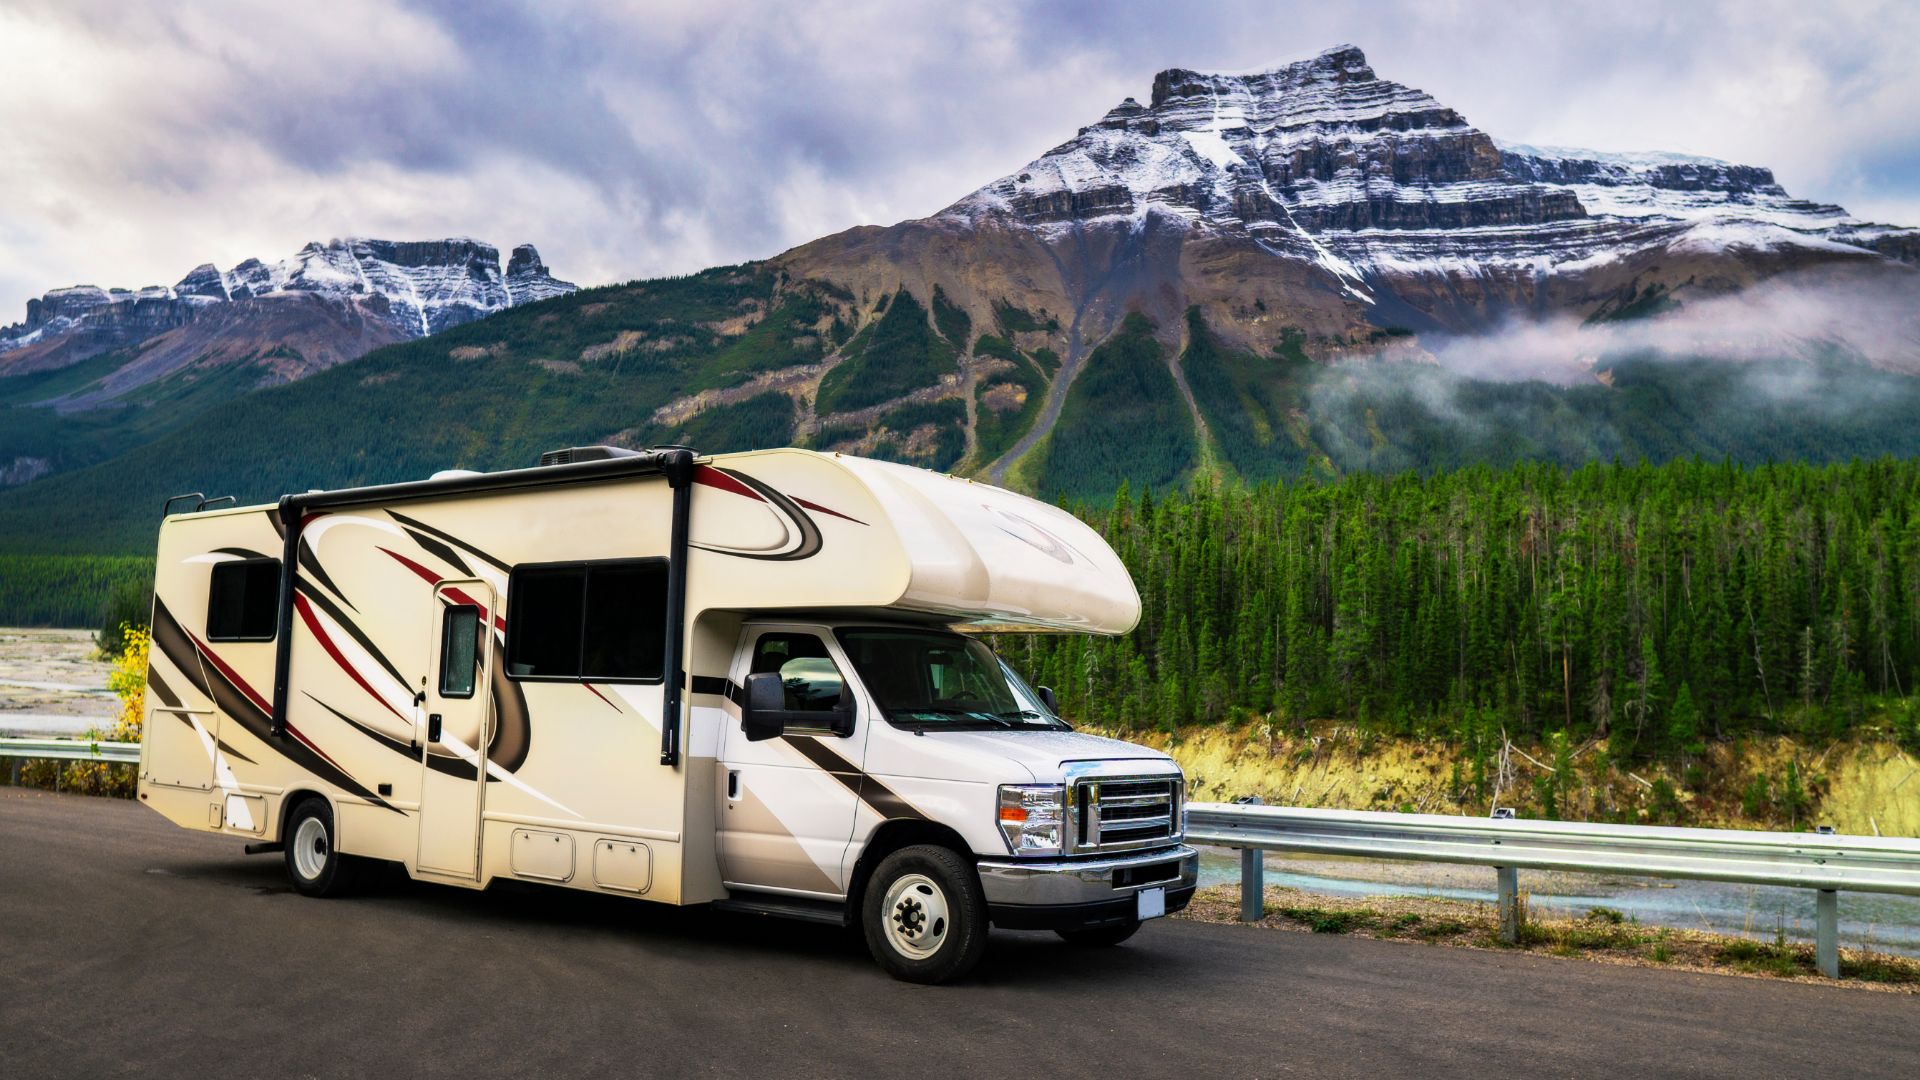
{"x":114,"y":753}
{"x":119,"y":753}
{"x":1824,"y":862}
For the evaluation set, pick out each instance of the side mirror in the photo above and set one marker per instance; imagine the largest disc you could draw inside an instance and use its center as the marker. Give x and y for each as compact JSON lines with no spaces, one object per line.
{"x":763,"y":717}
{"x":1046,"y":698}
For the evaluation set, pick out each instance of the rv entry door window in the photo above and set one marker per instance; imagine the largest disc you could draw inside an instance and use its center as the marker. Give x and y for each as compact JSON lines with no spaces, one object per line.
{"x":459,"y":651}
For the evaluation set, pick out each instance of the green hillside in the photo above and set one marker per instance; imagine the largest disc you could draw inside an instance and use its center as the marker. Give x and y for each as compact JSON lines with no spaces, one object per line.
{"x":73,"y":440}
{"x":1123,"y":420}
{"x":488,"y":395}
{"x":741,"y":357}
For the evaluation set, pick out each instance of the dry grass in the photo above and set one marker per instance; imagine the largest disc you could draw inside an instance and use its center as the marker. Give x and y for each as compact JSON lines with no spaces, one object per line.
{"x":1860,"y":787}
{"x":1603,"y":935}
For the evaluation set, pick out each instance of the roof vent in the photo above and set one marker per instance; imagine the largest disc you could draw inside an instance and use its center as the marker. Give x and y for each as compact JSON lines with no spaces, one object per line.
{"x":574,"y":454}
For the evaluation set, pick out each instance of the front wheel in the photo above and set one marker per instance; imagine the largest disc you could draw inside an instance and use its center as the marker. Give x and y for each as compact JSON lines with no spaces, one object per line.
{"x":314,"y":861}
{"x":1101,"y":935}
{"x":924,"y":915}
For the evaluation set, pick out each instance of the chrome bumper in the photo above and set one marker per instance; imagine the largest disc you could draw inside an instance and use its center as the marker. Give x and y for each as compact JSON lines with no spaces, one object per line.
{"x":1063,"y":882}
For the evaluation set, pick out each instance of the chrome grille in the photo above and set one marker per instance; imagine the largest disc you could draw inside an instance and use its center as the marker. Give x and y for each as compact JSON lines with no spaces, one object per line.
{"x":1123,"y":813}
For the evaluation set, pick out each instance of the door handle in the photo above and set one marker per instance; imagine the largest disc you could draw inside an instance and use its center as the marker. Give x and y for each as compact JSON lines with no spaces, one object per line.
{"x":433,"y":727}
{"x":733,"y":783}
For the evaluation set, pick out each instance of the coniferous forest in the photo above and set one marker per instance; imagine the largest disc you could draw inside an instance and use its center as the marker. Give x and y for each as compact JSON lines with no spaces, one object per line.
{"x":1652,"y":606}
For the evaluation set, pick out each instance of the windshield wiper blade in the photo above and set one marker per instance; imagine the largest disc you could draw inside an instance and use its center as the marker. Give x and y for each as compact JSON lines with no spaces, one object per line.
{"x":977,"y":715}
{"x":1043,"y":719}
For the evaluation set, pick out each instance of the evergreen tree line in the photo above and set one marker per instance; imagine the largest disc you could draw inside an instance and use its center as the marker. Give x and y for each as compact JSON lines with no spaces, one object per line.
{"x":76,"y":590}
{"x":1655,"y":606}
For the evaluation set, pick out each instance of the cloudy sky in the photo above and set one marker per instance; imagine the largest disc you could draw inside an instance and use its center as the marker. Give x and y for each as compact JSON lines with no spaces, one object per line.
{"x":660,"y":136}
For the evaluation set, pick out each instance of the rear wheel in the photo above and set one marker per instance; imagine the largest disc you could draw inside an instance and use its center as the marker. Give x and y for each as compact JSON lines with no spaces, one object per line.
{"x":314,"y":861}
{"x":1101,"y":935}
{"x":924,"y":915}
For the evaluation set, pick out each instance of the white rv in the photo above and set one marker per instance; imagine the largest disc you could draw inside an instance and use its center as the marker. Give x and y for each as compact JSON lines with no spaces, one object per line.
{"x":753,"y":680}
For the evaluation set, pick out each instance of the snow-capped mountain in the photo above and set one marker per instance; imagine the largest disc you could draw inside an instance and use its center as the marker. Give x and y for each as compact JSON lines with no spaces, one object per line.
{"x":1331,"y":200}
{"x":384,"y":290}
{"x":1325,"y":159}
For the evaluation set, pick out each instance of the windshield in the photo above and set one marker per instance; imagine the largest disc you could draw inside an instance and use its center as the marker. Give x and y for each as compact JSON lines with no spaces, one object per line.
{"x":931,"y":679}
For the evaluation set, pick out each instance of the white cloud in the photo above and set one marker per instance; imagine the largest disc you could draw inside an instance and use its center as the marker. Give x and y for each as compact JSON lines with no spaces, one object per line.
{"x":634,"y":139}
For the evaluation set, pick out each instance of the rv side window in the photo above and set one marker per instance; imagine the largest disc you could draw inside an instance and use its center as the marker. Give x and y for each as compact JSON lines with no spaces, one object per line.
{"x":626,"y":621}
{"x":243,"y":600}
{"x":459,"y":651}
{"x":544,"y":606}
{"x":599,"y":621}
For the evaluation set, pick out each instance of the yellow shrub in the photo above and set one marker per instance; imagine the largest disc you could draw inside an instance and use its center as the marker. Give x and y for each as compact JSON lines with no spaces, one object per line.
{"x":129,"y":680}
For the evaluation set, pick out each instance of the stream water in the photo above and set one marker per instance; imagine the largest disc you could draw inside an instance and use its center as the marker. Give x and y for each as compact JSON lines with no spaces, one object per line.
{"x":1886,"y":923}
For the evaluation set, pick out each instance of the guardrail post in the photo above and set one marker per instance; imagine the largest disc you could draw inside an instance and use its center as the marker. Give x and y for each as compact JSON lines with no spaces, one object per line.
{"x":1253,"y":884}
{"x":1826,"y":933}
{"x":1509,"y":878}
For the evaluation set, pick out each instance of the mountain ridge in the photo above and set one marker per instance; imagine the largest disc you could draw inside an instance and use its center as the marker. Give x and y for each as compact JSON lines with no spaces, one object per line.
{"x":412,"y":288}
{"x":1265,"y":276}
{"x":1409,"y":215}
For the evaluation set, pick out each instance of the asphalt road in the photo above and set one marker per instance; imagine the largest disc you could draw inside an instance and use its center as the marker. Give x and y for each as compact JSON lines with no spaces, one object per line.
{"x":128,"y":946}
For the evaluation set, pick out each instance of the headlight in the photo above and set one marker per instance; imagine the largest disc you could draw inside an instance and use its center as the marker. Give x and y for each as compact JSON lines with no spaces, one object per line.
{"x":1032,"y":816}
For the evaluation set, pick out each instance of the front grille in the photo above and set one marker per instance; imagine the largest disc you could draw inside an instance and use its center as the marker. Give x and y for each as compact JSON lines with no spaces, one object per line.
{"x":1123,"y":813}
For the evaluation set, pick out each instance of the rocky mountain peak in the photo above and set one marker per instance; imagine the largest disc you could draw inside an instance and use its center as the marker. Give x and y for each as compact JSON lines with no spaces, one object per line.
{"x":528,"y":279}
{"x":411,"y":287}
{"x":1325,"y":161}
{"x":1340,"y":65}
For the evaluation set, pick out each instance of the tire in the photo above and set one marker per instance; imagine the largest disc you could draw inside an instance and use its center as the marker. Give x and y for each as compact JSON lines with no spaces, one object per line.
{"x":314,"y":861}
{"x":924,"y":915}
{"x":1100,"y":936}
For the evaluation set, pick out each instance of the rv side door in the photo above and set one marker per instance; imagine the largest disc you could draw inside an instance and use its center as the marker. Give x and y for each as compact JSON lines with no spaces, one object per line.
{"x":453,"y":751}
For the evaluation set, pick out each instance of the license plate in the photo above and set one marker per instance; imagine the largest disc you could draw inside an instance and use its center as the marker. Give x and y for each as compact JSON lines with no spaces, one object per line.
{"x":1153,"y":903}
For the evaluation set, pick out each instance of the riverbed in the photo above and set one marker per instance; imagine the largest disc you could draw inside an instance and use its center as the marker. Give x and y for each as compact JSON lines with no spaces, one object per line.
{"x":52,"y":683}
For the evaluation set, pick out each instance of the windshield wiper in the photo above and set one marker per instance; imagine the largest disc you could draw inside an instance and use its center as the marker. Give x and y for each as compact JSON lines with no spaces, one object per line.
{"x":1028,"y":715}
{"x":978,"y":715}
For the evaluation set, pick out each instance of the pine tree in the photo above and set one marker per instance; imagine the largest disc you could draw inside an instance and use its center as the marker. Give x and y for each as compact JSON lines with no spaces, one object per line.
{"x":1683,"y":725}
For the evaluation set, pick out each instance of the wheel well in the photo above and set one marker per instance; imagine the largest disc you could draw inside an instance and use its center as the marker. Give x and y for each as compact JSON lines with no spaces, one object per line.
{"x":890,"y":837}
{"x":292,"y":799}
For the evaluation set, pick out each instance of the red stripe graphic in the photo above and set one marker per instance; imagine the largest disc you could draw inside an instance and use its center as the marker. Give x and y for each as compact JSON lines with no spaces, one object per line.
{"x":714,"y":478}
{"x":426,"y":575}
{"x":232,"y":675}
{"x":601,"y":696}
{"x":459,"y":597}
{"x":320,"y":634}
{"x":809,"y":504}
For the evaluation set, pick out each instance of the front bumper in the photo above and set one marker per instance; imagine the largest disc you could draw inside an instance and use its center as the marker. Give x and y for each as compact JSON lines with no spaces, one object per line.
{"x":1064,"y":894}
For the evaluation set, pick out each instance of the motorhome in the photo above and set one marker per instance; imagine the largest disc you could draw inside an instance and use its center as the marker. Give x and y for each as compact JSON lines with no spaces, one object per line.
{"x":759,"y":681}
